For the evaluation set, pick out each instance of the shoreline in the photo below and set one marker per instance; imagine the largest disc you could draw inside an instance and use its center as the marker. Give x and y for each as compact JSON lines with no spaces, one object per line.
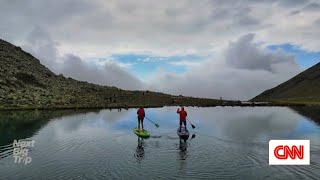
{"x":275,"y":104}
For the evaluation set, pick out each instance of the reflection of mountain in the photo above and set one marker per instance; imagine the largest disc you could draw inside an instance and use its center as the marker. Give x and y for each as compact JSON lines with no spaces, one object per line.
{"x":312,"y":112}
{"x":24,"y":124}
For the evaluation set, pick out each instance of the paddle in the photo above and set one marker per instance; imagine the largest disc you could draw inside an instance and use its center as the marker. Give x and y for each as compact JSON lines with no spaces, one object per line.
{"x":191,"y":124}
{"x":157,"y":125}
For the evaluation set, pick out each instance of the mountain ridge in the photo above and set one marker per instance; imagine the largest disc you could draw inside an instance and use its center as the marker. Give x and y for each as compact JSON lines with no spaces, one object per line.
{"x":304,"y":87}
{"x":26,"y":83}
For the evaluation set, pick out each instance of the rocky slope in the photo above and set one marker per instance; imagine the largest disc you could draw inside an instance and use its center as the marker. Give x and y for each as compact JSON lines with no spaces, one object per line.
{"x":305,"y":88}
{"x":26,"y":83}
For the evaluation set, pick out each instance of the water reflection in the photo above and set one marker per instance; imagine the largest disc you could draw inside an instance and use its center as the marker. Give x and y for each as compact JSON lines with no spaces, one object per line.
{"x":139,"y":155}
{"x":183,"y":145}
{"x":311,"y":112}
{"x":101,"y":119}
{"x":24,"y":124}
{"x":247,"y":124}
{"x":15,"y":125}
{"x":231,"y":143}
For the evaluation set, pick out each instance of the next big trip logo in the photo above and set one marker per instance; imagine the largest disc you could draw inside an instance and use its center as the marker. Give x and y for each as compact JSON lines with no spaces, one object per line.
{"x":289,"y":152}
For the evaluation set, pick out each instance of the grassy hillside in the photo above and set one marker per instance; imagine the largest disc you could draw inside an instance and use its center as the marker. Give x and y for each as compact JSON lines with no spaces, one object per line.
{"x":26,"y":83}
{"x":303,"y":88}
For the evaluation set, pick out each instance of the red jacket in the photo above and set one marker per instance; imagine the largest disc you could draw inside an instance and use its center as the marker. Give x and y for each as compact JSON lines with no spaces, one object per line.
{"x":183,"y":114}
{"x":140,"y":113}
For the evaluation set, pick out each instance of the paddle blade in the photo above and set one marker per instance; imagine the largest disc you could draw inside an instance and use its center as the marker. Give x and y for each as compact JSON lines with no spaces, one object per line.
{"x":191,"y":124}
{"x":157,"y":125}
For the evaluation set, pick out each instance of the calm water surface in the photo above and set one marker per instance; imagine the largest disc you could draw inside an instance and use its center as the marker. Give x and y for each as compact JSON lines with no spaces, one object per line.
{"x":227,"y":143}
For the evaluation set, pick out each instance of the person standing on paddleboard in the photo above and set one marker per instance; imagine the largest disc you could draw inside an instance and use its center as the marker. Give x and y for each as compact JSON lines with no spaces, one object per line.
{"x":141,"y":115}
{"x":183,"y":116}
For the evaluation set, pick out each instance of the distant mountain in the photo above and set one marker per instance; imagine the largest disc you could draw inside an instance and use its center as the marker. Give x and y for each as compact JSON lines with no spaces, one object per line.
{"x":303,"y":88}
{"x":26,"y":83}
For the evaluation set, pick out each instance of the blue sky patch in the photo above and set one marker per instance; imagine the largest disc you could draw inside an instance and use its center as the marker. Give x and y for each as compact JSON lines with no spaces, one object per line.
{"x":304,"y":58}
{"x":143,"y":65}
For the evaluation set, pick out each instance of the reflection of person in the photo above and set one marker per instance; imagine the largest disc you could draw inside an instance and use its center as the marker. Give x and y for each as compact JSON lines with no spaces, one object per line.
{"x":183,"y":150}
{"x":139,"y":155}
{"x":183,"y":116}
{"x":141,"y":115}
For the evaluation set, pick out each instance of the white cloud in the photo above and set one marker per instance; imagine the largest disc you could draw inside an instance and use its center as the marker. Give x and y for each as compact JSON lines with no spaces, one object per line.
{"x":185,"y":63}
{"x":242,"y":71}
{"x":111,"y":73}
{"x":103,"y":72}
{"x":98,"y":28}
{"x":67,"y":35}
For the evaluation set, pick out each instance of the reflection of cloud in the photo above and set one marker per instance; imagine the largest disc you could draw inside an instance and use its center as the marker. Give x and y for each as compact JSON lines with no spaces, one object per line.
{"x":113,"y":116}
{"x":73,"y":123}
{"x":166,"y":117}
{"x":247,"y":123}
{"x":101,"y":119}
{"x":64,"y":126}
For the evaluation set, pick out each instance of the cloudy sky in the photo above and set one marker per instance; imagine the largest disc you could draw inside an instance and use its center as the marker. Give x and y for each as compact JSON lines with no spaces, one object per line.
{"x":208,"y":48}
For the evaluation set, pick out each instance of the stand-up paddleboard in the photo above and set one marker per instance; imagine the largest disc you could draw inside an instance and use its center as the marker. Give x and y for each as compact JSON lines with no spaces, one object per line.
{"x":142,"y":134}
{"x":183,"y":134}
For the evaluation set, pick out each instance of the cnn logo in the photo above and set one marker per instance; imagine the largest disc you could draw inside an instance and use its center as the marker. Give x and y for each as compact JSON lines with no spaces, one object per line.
{"x":289,"y":152}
